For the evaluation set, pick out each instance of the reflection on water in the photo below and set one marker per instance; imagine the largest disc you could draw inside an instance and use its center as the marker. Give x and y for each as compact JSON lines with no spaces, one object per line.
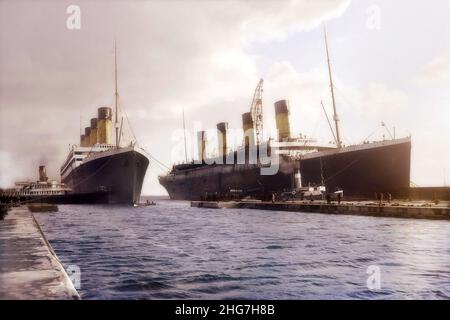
{"x":173,"y":251}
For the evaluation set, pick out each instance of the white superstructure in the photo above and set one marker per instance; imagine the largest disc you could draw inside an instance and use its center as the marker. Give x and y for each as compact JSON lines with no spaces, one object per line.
{"x":77,"y":154}
{"x":41,"y":187}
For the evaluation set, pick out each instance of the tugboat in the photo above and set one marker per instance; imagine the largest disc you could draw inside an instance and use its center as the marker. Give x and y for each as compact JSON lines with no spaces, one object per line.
{"x":41,"y":188}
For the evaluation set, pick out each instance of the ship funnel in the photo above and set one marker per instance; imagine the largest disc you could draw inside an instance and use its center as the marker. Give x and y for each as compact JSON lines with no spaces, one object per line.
{"x":93,"y":135}
{"x":104,"y":125}
{"x":282,"y":119}
{"x":87,"y":136}
{"x":247,"y":127}
{"x":201,"y":142}
{"x":222,"y":129}
{"x":42,"y":174}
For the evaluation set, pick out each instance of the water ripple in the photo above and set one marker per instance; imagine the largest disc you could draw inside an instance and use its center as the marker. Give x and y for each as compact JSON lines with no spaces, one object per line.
{"x":172,"y":251}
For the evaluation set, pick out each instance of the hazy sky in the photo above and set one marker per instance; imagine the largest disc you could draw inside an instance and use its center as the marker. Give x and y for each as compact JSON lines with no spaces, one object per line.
{"x":391,"y":63}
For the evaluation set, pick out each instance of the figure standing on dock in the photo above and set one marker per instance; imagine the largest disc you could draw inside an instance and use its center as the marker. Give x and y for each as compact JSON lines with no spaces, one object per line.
{"x":380,"y":198}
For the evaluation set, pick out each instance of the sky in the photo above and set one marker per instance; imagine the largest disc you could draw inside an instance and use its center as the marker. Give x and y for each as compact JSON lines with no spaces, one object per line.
{"x":390,"y":61}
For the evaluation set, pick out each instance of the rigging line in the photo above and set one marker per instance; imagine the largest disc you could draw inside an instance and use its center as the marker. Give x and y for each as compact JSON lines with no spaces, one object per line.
{"x":159,"y":162}
{"x":365,"y":139}
{"x":160,"y":169}
{"x":120,"y":132}
{"x":345,"y":168}
{"x":329,"y":123}
{"x":160,"y":166}
{"x":352,"y":105}
{"x":95,"y":172}
{"x":156,"y":160}
{"x":314,"y":130}
{"x":347,"y":100}
{"x":129,"y":123}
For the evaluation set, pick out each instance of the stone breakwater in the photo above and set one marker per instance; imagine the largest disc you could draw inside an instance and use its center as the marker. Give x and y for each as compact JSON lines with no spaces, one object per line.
{"x":29,"y":268}
{"x":413,"y":210}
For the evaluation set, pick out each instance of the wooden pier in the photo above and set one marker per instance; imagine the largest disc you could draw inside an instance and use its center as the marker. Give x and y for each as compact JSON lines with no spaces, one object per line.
{"x":415,"y":210}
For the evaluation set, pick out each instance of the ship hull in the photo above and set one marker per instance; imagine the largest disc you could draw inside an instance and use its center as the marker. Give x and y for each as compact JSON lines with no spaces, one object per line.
{"x":224,"y":181}
{"x":360,"y":172}
{"x":114,"y":178}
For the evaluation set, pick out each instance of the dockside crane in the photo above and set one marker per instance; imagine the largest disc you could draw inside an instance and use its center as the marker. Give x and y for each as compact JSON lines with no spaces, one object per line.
{"x":257,"y":112}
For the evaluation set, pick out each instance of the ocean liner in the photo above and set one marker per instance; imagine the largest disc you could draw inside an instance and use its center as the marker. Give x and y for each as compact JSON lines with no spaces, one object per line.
{"x":100,"y":171}
{"x":359,"y":170}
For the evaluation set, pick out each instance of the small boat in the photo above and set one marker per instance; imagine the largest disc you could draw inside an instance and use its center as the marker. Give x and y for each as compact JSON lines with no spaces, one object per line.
{"x":145,"y":204}
{"x":42,"y":207}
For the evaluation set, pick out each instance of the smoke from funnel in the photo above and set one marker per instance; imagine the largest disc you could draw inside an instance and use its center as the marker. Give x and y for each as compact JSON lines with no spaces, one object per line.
{"x":42,"y":174}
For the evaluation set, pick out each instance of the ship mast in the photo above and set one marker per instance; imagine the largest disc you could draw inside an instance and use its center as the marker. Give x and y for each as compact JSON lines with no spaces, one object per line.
{"x":116,"y":110}
{"x":184,"y":133}
{"x":335,"y":116}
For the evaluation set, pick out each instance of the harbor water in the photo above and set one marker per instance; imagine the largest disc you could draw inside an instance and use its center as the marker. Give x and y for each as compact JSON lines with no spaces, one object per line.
{"x":173,"y":251}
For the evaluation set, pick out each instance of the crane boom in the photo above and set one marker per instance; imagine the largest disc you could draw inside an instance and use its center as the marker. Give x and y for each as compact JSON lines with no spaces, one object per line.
{"x":257,"y":112}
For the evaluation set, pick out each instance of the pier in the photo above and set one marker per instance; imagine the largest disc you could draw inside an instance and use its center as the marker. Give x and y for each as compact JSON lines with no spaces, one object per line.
{"x":29,"y":268}
{"x":406,"y":209}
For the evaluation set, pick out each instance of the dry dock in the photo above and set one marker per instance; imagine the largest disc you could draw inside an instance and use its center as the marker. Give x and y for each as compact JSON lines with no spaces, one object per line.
{"x":29,"y":269}
{"x":415,"y":210}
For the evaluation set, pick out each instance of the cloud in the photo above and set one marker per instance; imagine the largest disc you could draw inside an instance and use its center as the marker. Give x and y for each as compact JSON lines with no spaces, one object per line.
{"x":437,"y":70}
{"x":361,"y":108}
{"x":172,"y":54}
{"x":275,"y":20}
{"x":375,"y":100}
{"x":204,"y":56}
{"x":304,"y":91}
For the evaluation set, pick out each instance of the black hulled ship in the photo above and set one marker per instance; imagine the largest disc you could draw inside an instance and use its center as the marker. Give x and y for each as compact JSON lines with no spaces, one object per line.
{"x":359,"y":170}
{"x":100,"y":171}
